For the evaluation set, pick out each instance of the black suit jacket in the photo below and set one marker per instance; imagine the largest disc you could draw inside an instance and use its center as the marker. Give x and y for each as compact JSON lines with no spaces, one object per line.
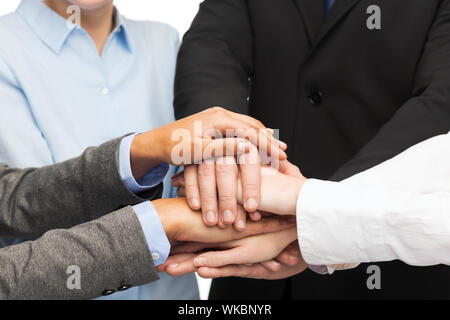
{"x":344,"y":97}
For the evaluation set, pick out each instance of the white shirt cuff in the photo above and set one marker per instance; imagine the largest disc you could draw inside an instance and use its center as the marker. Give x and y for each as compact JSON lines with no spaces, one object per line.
{"x":331,"y":231}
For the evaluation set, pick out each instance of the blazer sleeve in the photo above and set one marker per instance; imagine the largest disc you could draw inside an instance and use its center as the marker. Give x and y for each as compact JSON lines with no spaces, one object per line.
{"x":425,"y":115}
{"x":107,"y":254}
{"x":215,"y":60}
{"x":63,"y":195}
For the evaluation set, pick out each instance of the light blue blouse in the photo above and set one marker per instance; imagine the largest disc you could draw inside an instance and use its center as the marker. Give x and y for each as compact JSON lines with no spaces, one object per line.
{"x":58,"y":96}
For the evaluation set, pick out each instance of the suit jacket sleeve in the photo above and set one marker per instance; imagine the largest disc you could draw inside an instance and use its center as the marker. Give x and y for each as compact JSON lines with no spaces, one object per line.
{"x":63,"y":195}
{"x":425,"y":115}
{"x":215,"y":60}
{"x":104,"y":254}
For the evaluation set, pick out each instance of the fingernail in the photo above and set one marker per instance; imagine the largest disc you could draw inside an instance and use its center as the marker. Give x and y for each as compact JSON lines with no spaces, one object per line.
{"x":252,"y":204}
{"x":195,"y":202}
{"x":228,"y":216}
{"x":200,"y":262}
{"x":271,"y":131}
{"x":256,"y":216}
{"x":292,"y":257}
{"x":241,"y":224}
{"x":283,"y":145}
{"x":275,"y":264}
{"x":174,"y":265}
{"x":211,"y":217}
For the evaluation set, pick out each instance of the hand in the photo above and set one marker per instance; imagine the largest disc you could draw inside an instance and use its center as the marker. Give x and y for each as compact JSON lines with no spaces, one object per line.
{"x":190,"y":140}
{"x":276,"y":259}
{"x":215,"y":183}
{"x":181,"y":261}
{"x":182,"y":224}
{"x":256,"y":271}
{"x":266,"y":178}
{"x":254,"y":249}
{"x":279,"y":191}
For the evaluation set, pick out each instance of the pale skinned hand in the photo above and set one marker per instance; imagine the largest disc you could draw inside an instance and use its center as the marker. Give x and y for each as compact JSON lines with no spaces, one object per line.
{"x":278,"y":254}
{"x":282,"y":203}
{"x":183,"y":263}
{"x":227,"y":186}
{"x":288,"y":179}
{"x":256,"y":271}
{"x":254,"y":249}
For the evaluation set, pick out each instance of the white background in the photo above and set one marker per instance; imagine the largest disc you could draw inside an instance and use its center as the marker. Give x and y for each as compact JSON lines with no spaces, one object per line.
{"x":178,"y":13}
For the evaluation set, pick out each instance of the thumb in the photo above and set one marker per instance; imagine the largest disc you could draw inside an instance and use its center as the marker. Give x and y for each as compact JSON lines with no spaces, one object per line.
{"x":288,"y":168}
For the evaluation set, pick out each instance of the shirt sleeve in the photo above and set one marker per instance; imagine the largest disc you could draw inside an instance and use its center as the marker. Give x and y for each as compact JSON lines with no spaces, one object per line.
{"x":398,"y":210}
{"x":150,"y":180}
{"x":155,"y":235}
{"x":153,"y":229}
{"x":340,"y":224}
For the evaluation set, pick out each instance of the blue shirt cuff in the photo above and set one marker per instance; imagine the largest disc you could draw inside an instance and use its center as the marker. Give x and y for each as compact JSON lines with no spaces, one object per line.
{"x":150,"y":180}
{"x":154,"y":232}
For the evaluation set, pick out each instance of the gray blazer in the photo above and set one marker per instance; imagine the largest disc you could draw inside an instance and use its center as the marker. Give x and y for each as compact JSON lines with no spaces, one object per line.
{"x":88,"y":251}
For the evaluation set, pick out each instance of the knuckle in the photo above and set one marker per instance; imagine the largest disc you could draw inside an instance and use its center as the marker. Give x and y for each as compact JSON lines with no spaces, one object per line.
{"x":190,"y":186}
{"x":251,"y":187}
{"x":295,"y":169}
{"x":209,"y":199}
{"x":227,"y":198}
{"x":218,"y":110}
{"x":205,"y":174}
{"x":225,"y":169}
{"x":260,"y":124}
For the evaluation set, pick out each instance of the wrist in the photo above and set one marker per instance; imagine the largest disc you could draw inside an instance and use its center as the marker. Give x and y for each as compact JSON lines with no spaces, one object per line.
{"x":293,"y":194}
{"x":145,"y":153}
{"x":287,"y":200}
{"x":279,"y":193}
{"x":161,"y":208}
{"x":169,"y":214}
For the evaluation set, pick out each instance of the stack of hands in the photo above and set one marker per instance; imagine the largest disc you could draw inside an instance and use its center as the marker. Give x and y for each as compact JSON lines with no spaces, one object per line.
{"x":242,"y":195}
{"x":265,"y":247}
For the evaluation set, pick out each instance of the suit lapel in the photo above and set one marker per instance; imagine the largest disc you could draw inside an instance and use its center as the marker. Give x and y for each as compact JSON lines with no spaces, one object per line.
{"x":336,"y":14}
{"x":312,"y":14}
{"x":317,"y":25}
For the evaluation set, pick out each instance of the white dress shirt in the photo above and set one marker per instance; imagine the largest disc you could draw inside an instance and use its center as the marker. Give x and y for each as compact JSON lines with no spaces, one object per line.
{"x":399,"y":210}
